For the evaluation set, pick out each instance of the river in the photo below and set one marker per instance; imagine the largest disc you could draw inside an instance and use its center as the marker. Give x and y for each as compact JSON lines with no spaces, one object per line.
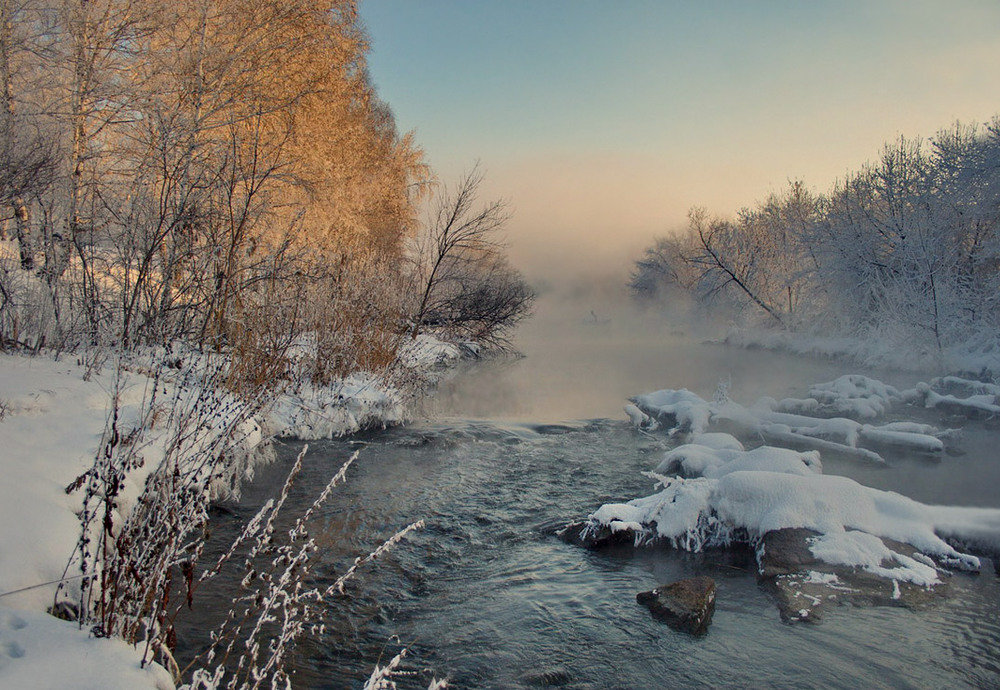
{"x":486,"y":594}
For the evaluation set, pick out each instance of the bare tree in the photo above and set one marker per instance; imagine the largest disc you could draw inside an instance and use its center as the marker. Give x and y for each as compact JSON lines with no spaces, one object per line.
{"x":462,"y":277}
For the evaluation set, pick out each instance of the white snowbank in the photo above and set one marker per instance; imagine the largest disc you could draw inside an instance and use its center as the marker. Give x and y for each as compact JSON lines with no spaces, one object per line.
{"x":428,"y":352}
{"x":360,"y":401}
{"x":50,"y":435}
{"x":694,"y":514}
{"x":39,"y":651}
{"x":52,"y":416}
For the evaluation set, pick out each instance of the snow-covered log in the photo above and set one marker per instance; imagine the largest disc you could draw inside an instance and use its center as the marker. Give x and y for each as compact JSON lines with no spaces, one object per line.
{"x":786,"y":423}
{"x":976,"y":406}
{"x":780,"y":434}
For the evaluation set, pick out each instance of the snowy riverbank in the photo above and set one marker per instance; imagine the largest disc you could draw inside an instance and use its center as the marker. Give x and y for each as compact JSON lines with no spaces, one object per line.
{"x":53,"y":418}
{"x":970,"y":357}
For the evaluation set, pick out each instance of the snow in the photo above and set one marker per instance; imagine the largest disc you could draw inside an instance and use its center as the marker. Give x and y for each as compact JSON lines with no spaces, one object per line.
{"x":39,"y":651}
{"x":718,"y":441}
{"x":765,"y":490}
{"x":639,"y":419}
{"x":357,"y":402}
{"x":52,"y":415}
{"x":692,"y":460}
{"x":726,"y":494}
{"x":916,"y":441}
{"x":956,"y":382}
{"x":966,"y":356}
{"x":688,"y":411}
{"x":772,"y":421}
{"x":428,"y":352}
{"x":985,"y":403}
{"x":862,"y":550}
{"x":51,"y":432}
{"x":816,"y":578}
{"x":865,"y":397}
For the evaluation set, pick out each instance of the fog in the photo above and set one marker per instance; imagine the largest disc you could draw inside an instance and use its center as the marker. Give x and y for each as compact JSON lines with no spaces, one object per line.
{"x":588,"y":347}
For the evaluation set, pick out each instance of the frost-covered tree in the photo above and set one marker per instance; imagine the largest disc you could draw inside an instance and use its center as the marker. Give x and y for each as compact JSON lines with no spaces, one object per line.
{"x":908,"y":246}
{"x":462,"y":280}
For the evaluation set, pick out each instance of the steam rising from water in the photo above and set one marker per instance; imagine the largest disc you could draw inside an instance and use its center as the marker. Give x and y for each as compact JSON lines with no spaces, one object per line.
{"x":588,"y":348}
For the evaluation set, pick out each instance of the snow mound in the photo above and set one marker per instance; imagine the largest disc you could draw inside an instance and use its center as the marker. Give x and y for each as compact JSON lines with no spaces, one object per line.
{"x":427,"y":352}
{"x":718,"y":441}
{"x":693,"y":460}
{"x":679,"y":409}
{"x":865,"y":397}
{"x":743,"y":505}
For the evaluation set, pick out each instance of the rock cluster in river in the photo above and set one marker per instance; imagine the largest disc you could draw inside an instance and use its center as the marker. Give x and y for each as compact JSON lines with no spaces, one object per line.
{"x":852,"y":561}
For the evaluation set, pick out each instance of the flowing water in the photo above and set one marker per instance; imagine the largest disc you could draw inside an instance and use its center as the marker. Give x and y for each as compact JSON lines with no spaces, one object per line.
{"x":487,"y":596}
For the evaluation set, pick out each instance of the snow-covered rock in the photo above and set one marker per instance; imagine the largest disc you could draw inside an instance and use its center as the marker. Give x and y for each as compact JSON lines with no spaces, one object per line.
{"x":693,"y":460}
{"x":850,"y":519}
{"x":680,"y":409}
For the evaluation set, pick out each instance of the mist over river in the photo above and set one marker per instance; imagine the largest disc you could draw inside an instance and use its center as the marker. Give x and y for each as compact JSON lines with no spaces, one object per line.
{"x":487,"y":596}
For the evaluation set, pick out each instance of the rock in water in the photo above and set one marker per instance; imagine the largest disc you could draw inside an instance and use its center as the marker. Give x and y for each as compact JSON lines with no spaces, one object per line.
{"x":685,"y":605}
{"x":802,"y":584}
{"x":595,"y":536}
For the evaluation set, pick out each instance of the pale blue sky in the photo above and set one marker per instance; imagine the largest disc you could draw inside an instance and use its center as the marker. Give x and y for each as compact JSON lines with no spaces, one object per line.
{"x":603,"y":122}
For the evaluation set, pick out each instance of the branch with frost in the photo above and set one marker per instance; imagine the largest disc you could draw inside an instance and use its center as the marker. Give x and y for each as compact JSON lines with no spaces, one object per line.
{"x":275,"y":608}
{"x":381,"y":677}
{"x":338,"y":586}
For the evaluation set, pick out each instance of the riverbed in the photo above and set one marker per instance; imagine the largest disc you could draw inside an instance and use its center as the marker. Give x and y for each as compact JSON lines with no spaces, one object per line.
{"x":487,"y":596}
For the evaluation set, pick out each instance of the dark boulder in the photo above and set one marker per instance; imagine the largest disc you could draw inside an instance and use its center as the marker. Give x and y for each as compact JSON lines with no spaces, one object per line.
{"x":685,"y":605}
{"x":594,"y":535}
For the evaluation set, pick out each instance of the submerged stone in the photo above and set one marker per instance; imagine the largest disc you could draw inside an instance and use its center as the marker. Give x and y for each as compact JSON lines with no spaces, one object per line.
{"x":685,"y":605}
{"x":550,"y":678}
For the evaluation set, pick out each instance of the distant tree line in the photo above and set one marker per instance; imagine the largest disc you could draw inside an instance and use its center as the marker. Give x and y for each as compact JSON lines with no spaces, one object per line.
{"x":217,"y":171}
{"x":908,"y":246}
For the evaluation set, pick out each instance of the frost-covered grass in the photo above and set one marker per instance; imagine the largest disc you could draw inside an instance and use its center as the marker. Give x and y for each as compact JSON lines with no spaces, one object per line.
{"x":134,"y":449}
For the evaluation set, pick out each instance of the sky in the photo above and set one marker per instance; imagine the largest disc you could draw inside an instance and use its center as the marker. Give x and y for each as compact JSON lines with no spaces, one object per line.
{"x":603,"y":123}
